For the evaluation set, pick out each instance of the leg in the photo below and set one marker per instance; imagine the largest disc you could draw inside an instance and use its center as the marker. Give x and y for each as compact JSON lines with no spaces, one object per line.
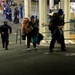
{"x":52,"y":43}
{"x":34,"y":45}
{"x":6,"y":42}
{"x":28,"y":40}
{"x":62,"y":43}
{"x":15,"y":18}
{"x":21,"y":15}
{"x":3,"y":41}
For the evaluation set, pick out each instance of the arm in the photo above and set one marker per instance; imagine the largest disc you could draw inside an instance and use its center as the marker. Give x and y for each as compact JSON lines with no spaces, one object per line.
{"x":10,"y":30}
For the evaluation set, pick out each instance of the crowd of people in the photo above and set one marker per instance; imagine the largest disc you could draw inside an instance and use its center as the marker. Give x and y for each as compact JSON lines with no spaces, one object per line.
{"x":18,"y":12}
{"x":29,"y":28}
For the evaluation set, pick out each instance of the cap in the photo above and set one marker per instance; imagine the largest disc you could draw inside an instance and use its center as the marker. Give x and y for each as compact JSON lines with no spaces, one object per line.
{"x":32,"y":17}
{"x":60,"y":12}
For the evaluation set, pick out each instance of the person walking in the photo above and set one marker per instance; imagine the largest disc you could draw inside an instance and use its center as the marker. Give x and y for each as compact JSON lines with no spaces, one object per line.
{"x":56,"y":25}
{"x":10,"y":14}
{"x":16,"y":15}
{"x":28,"y":28}
{"x":7,"y":12}
{"x":34,"y":31}
{"x":21,"y":11}
{"x":5,"y":30}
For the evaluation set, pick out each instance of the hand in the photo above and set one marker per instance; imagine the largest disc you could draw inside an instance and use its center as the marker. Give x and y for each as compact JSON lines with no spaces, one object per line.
{"x":60,"y":26}
{"x":8,"y":33}
{"x":2,"y":32}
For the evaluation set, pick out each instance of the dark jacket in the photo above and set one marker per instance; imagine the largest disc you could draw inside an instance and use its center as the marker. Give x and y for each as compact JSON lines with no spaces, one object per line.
{"x":5,"y":29}
{"x":35,"y":28}
{"x":56,"y":20}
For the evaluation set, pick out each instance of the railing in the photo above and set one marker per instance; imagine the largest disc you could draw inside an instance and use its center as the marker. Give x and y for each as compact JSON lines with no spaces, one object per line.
{"x":72,"y":32}
{"x":18,"y":34}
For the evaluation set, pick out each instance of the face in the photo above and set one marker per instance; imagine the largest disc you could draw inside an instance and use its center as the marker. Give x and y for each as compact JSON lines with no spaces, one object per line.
{"x":32,"y":20}
{"x":5,"y":23}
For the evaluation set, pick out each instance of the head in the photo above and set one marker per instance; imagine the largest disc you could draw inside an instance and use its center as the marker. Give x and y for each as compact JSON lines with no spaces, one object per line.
{"x":36,"y":16}
{"x":16,"y":8}
{"x":60,"y":12}
{"x":26,"y":20}
{"x":32,"y":18}
{"x":55,"y":7}
{"x":5,"y":22}
{"x":20,"y":4}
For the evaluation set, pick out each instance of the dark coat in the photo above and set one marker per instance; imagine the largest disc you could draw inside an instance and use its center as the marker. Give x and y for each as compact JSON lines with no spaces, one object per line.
{"x":5,"y":29}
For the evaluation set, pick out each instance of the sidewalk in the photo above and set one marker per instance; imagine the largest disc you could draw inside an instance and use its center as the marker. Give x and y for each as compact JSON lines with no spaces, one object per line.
{"x":18,"y":61}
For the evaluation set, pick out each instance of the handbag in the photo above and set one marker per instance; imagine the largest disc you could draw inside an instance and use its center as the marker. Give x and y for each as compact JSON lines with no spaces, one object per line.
{"x":35,"y":38}
{"x":24,"y":37}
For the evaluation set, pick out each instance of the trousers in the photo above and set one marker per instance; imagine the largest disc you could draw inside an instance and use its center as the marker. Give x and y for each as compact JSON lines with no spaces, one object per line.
{"x":5,"y":41}
{"x":54,"y":39}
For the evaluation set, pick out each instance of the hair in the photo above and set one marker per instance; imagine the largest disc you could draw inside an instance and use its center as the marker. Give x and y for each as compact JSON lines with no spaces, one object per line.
{"x":60,"y":12}
{"x":26,"y":20}
{"x":5,"y":22}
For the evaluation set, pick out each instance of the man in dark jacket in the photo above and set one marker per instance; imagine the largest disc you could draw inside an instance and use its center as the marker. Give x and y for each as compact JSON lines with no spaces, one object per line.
{"x":57,"y":32}
{"x":5,"y":31}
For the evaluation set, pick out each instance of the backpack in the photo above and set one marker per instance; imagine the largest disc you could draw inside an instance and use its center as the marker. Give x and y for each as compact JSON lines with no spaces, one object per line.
{"x":23,"y":25}
{"x":56,"y":20}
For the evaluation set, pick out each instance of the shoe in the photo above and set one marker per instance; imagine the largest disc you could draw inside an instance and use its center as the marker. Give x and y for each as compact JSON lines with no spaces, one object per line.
{"x":3,"y":46}
{"x":36,"y":48}
{"x":28,"y":49}
{"x":51,"y":50}
{"x":63,"y":49}
{"x":6,"y":48}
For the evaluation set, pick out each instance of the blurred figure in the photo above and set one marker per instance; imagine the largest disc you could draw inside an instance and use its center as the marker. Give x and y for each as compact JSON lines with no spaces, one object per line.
{"x":26,"y":29}
{"x":21,"y":11}
{"x":4,"y":8}
{"x":16,"y":15}
{"x":7,"y":12}
{"x":36,"y":21}
{"x":56,"y":25}
{"x":10,"y":14}
{"x":34,"y":31}
{"x":5,"y":30}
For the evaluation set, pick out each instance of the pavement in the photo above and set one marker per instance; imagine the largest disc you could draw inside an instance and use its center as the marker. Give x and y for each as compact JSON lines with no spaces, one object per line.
{"x":18,"y":61}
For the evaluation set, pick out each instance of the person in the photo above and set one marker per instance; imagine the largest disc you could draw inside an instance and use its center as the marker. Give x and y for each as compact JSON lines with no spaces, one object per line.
{"x":4,"y":8}
{"x":26,"y":29}
{"x":34,"y":31}
{"x":21,"y":10}
{"x":5,"y":30}
{"x":16,"y":15}
{"x":36,"y":21}
{"x":57,"y":32}
{"x":10,"y":14}
{"x":7,"y":12}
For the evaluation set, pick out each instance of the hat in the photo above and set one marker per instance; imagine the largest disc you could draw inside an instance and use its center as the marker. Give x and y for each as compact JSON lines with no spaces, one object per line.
{"x":60,"y":12}
{"x":32,"y":17}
